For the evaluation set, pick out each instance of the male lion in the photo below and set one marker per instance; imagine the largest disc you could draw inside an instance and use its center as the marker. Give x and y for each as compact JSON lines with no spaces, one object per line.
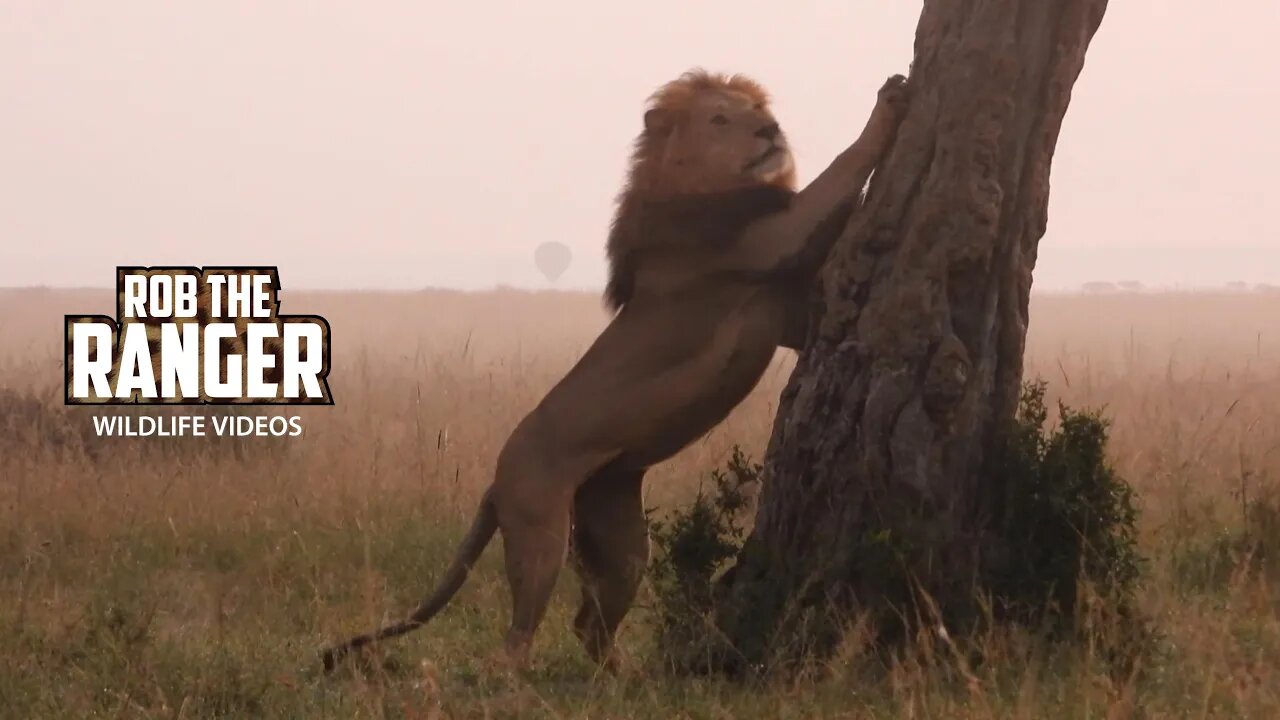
{"x":711,"y":254}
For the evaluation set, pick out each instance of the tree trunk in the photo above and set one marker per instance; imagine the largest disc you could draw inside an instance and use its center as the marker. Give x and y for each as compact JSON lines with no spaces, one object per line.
{"x":876,"y":496}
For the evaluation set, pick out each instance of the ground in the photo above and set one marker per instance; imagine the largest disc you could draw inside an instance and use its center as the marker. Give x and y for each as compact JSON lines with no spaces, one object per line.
{"x":193,"y":579}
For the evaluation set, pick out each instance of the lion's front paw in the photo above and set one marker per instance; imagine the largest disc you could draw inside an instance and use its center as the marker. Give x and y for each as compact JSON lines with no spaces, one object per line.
{"x":891,"y":101}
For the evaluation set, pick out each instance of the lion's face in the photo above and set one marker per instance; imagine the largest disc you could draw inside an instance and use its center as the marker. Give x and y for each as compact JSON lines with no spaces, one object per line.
{"x":722,"y":139}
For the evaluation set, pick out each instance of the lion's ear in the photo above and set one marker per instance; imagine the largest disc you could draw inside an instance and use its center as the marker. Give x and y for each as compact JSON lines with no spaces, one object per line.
{"x":657,"y":120}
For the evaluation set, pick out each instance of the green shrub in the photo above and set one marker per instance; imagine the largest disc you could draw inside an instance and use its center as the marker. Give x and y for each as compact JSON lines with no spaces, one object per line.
{"x":1064,"y":518}
{"x":693,"y":545}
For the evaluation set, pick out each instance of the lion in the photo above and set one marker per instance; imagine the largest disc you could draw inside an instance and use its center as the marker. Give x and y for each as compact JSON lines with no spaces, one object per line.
{"x":712,"y":253}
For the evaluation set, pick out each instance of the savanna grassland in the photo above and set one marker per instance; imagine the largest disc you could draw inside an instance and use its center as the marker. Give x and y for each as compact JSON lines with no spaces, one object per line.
{"x":198,"y":578}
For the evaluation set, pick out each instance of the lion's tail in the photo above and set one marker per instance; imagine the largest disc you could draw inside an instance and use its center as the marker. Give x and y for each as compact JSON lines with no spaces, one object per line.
{"x":476,"y":540}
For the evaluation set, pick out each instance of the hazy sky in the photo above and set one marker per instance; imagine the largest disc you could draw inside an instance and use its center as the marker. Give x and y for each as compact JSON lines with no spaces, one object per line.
{"x":410,"y":144}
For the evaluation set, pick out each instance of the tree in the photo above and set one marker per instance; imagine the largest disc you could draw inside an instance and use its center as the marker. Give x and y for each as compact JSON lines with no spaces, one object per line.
{"x":879,"y":493}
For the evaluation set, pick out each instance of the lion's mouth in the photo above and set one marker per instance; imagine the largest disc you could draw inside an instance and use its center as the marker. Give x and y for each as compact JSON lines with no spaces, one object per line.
{"x":767,"y":155}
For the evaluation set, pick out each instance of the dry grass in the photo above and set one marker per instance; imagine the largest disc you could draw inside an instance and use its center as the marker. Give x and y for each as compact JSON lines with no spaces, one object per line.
{"x":196,"y":579}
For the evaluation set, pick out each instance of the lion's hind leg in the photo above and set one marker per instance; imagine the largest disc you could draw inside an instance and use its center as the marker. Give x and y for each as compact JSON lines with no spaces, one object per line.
{"x":535,"y":538}
{"x":611,"y":551}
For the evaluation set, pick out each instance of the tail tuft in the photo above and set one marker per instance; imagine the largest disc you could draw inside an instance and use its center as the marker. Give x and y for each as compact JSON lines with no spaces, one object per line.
{"x":476,"y":540}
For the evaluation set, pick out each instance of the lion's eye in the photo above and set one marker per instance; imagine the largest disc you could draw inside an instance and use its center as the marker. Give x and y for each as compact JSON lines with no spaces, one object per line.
{"x":719,"y":120}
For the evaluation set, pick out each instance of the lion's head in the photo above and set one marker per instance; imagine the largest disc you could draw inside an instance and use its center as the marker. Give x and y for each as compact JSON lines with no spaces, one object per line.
{"x":709,"y":140}
{"x":706,"y":132}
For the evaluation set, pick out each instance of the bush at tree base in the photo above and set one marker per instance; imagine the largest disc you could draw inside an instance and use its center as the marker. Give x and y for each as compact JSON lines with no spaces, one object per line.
{"x":1064,"y":557}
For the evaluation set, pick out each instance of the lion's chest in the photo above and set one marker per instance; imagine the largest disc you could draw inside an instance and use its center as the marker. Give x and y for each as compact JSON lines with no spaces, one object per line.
{"x":664,"y":373}
{"x":740,"y":351}
{"x":700,"y":392}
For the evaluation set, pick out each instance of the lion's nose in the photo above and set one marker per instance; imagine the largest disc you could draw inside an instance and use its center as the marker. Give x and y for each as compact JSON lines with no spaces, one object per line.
{"x":769,"y":132}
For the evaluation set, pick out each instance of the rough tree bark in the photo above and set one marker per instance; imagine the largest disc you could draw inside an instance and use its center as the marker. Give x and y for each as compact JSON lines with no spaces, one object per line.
{"x":875,"y":485}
